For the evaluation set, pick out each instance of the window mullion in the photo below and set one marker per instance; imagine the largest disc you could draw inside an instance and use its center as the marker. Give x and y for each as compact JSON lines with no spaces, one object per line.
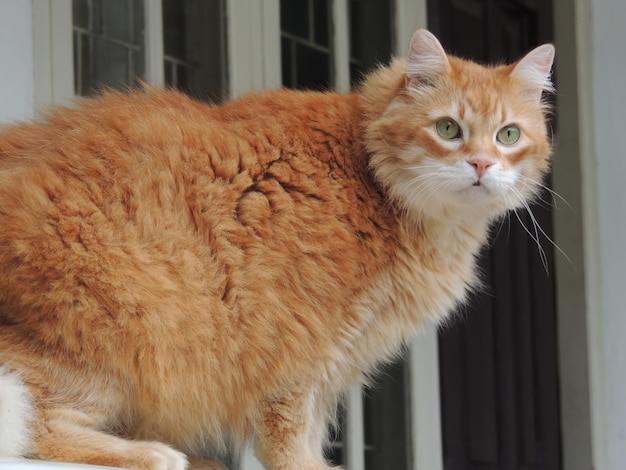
{"x":341,"y":45}
{"x":52,"y":48}
{"x":355,"y":430}
{"x":409,"y":15}
{"x":272,"y":70}
{"x":253,"y":45}
{"x":153,"y":40}
{"x":425,"y":402}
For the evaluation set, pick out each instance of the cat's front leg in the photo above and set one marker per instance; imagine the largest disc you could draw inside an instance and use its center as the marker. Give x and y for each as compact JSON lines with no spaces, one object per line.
{"x":290,"y":431}
{"x":71,"y":436}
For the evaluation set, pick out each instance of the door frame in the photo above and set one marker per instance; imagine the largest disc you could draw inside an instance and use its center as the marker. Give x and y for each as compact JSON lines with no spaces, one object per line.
{"x":577,"y":232}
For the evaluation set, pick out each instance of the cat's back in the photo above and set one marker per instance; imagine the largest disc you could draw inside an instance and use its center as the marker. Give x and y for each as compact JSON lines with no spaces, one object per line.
{"x":148,"y":156}
{"x":140,"y":130}
{"x":152,"y":178}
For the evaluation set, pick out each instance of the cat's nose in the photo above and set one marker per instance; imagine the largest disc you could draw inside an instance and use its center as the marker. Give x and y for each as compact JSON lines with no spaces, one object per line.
{"x":481,"y":164}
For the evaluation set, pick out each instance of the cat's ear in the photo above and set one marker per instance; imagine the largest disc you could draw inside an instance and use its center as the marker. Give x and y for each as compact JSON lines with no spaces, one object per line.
{"x":426,"y":59}
{"x":534,"y":70}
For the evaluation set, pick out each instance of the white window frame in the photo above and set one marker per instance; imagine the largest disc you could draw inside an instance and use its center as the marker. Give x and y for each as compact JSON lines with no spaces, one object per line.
{"x":253,"y":46}
{"x":254,"y":63}
{"x":53,"y":62}
{"x":153,"y":42}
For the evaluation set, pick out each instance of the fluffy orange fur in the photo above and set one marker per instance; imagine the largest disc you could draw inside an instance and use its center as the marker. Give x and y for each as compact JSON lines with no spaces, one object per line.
{"x":176,"y":275}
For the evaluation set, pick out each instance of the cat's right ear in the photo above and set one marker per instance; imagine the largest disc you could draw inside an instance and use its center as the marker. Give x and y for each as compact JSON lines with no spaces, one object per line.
{"x":534,"y":70}
{"x":426,"y":59}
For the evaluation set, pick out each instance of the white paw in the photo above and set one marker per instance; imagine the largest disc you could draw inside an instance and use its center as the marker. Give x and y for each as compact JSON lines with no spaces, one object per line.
{"x":16,"y":412}
{"x":162,"y":457}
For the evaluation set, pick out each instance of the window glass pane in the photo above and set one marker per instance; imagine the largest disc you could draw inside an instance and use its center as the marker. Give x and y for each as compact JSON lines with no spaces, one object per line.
{"x":386,"y":418}
{"x":194,"y":41}
{"x":294,"y":18}
{"x":108,"y":44}
{"x":313,"y":67}
{"x":305,"y":42}
{"x":321,"y":31}
{"x":335,"y":450}
{"x":371,"y":35}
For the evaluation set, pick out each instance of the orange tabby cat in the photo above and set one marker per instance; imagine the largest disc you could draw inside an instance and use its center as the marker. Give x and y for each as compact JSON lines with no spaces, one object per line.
{"x":175,"y":275}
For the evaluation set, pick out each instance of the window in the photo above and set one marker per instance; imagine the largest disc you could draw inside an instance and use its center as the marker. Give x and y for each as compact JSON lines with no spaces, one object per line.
{"x":305,"y":44}
{"x":309,"y":33}
{"x":371,"y":35}
{"x":194,"y":40}
{"x":386,"y":421}
{"x":108,"y":44}
{"x":111,"y":48}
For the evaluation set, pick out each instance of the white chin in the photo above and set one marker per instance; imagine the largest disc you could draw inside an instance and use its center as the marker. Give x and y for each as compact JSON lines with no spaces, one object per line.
{"x":480,"y":195}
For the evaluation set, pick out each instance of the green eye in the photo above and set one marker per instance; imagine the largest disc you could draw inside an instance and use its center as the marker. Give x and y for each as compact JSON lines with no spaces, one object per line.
{"x":508,"y":135}
{"x":448,"y":129}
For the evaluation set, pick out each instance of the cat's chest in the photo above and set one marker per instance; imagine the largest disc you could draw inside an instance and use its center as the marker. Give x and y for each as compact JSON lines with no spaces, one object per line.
{"x":427,"y":285}
{"x":421,"y":284}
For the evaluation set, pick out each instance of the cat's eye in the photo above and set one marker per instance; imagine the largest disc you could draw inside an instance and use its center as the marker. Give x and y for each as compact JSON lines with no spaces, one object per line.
{"x":508,"y":135}
{"x":448,"y":128}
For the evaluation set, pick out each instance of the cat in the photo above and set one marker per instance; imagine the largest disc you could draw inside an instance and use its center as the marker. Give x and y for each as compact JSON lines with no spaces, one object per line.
{"x":180,"y":278}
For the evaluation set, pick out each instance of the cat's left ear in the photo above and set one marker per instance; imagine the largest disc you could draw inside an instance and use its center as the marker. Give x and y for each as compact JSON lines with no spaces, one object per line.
{"x":534,"y":70}
{"x":426,"y":59}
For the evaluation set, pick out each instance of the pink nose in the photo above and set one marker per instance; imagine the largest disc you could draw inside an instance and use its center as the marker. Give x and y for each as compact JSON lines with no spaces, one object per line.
{"x":481,"y":164}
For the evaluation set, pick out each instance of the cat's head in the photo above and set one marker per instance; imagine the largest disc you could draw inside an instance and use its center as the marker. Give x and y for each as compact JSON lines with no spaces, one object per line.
{"x":448,"y":135}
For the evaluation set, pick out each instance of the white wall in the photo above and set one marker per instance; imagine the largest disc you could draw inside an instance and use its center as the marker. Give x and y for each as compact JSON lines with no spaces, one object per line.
{"x":608,"y":49}
{"x":575,"y":227}
{"x":590,"y":172}
{"x":16,"y":57}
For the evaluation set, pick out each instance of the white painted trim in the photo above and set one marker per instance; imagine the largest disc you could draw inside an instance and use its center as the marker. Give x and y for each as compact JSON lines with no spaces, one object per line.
{"x":16,"y":56}
{"x":272,"y":62}
{"x":602,"y":75}
{"x":244,"y":58}
{"x":53,"y":62}
{"x":355,"y":430}
{"x":576,"y":228}
{"x":409,"y":16}
{"x":425,"y":405}
{"x":153,"y":41}
{"x":253,"y":46}
{"x":340,"y":50}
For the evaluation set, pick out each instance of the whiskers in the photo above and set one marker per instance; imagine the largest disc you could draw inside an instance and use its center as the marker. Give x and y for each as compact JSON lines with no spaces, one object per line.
{"x":420,"y":188}
{"x":431,"y":189}
{"x":555,"y":197}
{"x":536,"y":231}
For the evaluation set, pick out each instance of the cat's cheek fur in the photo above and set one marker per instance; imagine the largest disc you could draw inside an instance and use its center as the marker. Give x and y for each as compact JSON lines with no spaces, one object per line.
{"x":527,"y":185}
{"x":16,"y":412}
